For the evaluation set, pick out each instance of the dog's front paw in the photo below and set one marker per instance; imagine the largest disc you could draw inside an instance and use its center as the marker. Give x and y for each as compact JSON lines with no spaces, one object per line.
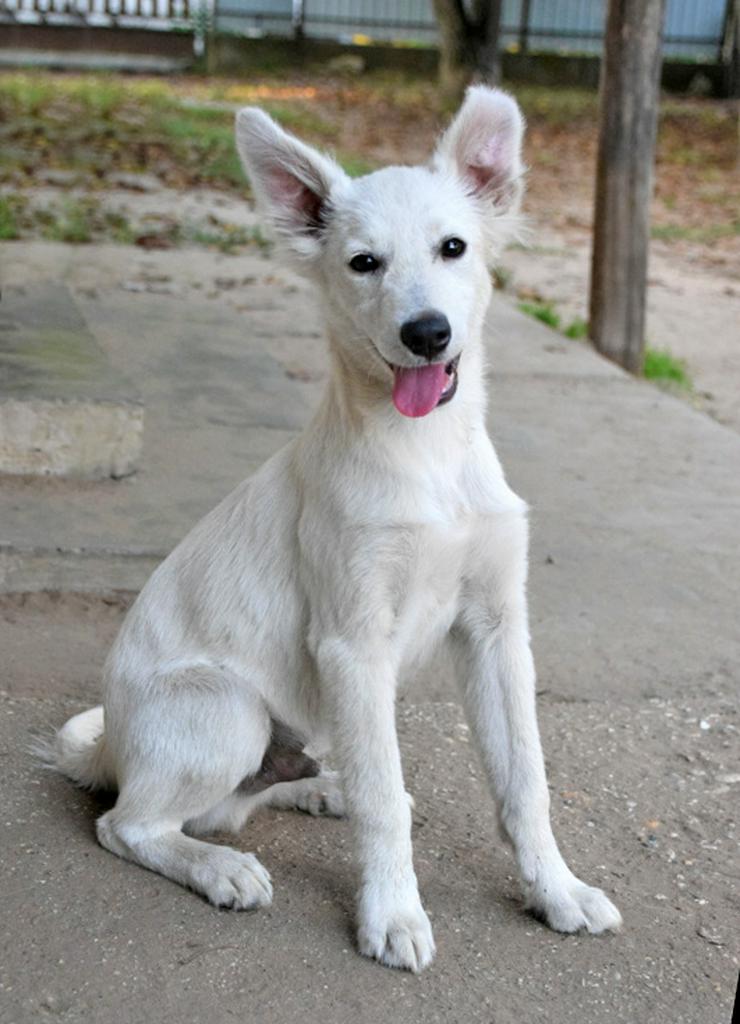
{"x":569,"y":905}
{"x":397,"y":937}
{"x":229,"y":878}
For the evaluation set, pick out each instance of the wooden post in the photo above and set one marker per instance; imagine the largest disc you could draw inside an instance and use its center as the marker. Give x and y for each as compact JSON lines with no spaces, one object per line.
{"x":299,"y":19}
{"x":630,"y":82}
{"x":468,"y":43}
{"x":524,"y":27}
{"x":729,"y":51}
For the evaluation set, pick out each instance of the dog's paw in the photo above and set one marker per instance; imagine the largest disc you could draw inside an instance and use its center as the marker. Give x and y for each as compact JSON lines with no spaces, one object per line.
{"x":402,"y":938}
{"x":321,"y":796}
{"x":228,"y":878}
{"x":572,"y":906}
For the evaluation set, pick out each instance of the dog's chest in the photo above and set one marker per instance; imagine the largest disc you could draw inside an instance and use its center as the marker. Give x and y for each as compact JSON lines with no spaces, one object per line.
{"x":426,"y":587}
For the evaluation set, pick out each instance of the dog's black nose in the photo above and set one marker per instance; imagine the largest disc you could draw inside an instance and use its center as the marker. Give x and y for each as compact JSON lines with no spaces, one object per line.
{"x":427,"y":336}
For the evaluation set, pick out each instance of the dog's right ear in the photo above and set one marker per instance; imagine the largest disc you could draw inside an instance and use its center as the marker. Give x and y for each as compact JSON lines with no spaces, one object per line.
{"x":292,"y":183}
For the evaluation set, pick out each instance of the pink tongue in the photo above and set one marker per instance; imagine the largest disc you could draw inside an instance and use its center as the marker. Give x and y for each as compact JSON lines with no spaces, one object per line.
{"x":418,"y":389}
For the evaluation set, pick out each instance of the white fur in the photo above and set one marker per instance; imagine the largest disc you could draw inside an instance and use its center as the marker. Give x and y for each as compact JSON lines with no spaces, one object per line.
{"x":307,"y":594}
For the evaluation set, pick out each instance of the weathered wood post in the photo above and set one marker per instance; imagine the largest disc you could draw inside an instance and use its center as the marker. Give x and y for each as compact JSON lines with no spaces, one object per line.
{"x":524,"y":15}
{"x":729,"y":51}
{"x":630,"y":83}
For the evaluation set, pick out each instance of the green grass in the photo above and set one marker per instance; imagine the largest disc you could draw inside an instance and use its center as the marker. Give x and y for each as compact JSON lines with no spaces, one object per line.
{"x":79,"y":221}
{"x":576,"y":329}
{"x":98,"y":124}
{"x":702,"y":235}
{"x":118,"y":228}
{"x":560,"y":106}
{"x":9,"y":227}
{"x":228,"y":238}
{"x":302,"y":121}
{"x":73,"y":223}
{"x":355,"y":166}
{"x":661,"y":366}
{"x":545,"y":312}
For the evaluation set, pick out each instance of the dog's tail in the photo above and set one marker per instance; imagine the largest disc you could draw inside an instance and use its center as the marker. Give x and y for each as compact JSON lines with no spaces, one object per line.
{"x":79,"y":751}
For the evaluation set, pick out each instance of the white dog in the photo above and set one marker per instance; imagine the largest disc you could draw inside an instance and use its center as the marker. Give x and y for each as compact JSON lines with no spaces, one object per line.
{"x":288,"y":617}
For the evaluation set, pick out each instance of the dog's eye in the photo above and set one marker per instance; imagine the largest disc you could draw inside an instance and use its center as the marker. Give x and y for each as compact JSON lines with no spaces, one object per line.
{"x":364,"y":263}
{"x":451,"y":248}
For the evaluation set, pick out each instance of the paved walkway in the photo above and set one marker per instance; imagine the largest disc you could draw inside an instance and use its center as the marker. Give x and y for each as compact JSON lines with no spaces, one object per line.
{"x":635,"y":592}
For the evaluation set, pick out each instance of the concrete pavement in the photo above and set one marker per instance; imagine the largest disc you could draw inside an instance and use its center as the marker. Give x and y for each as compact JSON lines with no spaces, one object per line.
{"x":63,"y":410}
{"x":634,"y":588}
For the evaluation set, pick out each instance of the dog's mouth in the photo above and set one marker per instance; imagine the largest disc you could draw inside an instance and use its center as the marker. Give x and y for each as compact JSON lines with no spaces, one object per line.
{"x":419,"y":389}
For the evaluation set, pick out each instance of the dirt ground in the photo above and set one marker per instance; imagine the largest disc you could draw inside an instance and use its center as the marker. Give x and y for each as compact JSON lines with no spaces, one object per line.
{"x":642,"y":793}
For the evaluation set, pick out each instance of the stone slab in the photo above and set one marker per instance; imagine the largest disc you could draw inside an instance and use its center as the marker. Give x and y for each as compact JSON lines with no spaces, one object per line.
{"x":64,"y":410}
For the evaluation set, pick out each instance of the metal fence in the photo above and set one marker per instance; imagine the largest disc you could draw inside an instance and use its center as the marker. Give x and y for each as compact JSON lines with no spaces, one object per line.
{"x":134,"y":13}
{"x":692,"y":29}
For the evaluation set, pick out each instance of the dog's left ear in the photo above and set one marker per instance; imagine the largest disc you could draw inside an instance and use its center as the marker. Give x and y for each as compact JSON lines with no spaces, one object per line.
{"x":483,"y":147}
{"x":292,"y":183}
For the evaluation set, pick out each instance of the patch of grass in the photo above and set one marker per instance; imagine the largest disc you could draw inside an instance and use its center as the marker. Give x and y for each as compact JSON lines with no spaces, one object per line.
{"x":577,"y":329}
{"x":9,"y":226}
{"x":355,"y":166}
{"x":118,"y":228}
{"x":301,"y":120}
{"x":98,"y":124}
{"x":76,"y":221}
{"x":661,"y":366}
{"x":73,"y":223}
{"x":204,"y":138}
{"x":27,"y":93}
{"x":556,"y":106}
{"x":227,"y":238}
{"x":682,"y":232}
{"x":545,"y":312}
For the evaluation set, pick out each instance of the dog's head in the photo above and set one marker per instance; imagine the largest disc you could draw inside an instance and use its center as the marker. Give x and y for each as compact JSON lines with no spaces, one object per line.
{"x":402,"y":256}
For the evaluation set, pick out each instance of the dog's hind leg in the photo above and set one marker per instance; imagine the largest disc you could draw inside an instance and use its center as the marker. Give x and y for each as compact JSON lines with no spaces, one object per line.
{"x":320,"y":795}
{"x":185,"y":746}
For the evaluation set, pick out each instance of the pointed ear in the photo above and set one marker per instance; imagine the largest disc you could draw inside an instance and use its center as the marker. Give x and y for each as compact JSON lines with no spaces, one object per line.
{"x":292,"y":183}
{"x":483,"y":147}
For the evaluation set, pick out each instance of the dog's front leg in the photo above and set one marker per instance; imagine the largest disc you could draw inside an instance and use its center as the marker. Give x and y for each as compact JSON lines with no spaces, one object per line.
{"x":496,"y":671}
{"x":359,"y":688}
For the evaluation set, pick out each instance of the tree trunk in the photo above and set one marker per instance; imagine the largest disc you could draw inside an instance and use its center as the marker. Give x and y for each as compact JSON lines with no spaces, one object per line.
{"x":468,"y":49}
{"x":630,"y":79}
{"x":487,"y":17}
